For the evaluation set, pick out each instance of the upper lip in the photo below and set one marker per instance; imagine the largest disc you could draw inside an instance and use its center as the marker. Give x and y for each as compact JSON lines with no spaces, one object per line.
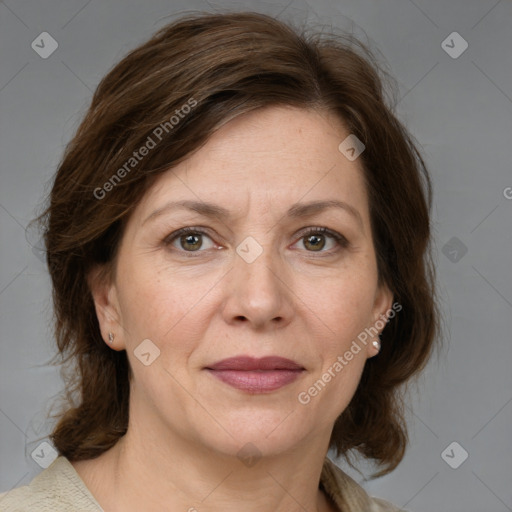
{"x":247,"y":363}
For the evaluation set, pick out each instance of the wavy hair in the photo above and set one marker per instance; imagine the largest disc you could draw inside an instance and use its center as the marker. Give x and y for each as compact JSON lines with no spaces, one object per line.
{"x":224,"y":65}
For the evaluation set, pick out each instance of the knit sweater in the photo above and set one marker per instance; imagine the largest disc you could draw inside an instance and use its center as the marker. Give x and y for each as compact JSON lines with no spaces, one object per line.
{"x":59,"y":488}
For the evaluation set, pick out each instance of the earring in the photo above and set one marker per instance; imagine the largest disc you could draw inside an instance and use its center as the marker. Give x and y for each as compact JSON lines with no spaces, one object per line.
{"x":376,"y":344}
{"x":111,"y":337}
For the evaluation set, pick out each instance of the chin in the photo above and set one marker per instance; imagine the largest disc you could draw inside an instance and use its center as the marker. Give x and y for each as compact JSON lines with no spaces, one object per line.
{"x":256,"y":434}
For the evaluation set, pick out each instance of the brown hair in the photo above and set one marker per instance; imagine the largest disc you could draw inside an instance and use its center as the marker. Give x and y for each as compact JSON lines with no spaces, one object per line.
{"x":224,"y":65}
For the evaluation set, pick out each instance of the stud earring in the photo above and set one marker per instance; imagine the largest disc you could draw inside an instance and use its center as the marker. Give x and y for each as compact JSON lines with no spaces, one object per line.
{"x":376,"y":344}
{"x":111,"y":337}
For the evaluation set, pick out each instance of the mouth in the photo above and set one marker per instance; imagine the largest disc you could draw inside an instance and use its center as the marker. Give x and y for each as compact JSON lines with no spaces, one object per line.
{"x":256,"y":375}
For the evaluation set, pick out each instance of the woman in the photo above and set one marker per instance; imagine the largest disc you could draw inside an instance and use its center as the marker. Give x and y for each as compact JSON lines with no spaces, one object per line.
{"x":238,"y":240}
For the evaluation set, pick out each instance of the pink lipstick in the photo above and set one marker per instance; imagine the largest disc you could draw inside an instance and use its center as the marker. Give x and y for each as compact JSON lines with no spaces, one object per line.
{"x":256,"y":375}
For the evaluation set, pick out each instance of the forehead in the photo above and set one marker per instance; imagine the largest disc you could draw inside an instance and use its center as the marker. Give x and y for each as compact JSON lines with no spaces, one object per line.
{"x":274,"y":156}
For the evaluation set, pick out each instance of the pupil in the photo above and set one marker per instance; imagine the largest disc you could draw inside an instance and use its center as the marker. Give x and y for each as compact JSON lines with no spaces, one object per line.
{"x":193,"y":241}
{"x":316,"y":242}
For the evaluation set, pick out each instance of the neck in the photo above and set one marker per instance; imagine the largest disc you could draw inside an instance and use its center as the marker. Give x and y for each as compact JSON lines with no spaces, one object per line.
{"x":139,"y":474}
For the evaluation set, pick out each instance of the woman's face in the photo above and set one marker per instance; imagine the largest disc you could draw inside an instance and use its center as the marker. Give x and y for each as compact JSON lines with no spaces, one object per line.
{"x":270,"y":266}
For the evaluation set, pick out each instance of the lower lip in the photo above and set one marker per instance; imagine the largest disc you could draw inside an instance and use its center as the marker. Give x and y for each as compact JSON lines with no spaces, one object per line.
{"x":256,"y":381}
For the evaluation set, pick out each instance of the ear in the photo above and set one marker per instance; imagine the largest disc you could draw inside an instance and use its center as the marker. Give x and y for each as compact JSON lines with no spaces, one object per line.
{"x":104,"y":294}
{"x":382,"y":303}
{"x":381,"y":307}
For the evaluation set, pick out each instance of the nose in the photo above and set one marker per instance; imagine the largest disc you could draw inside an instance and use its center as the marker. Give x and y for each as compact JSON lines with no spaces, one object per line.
{"x":258,"y":294}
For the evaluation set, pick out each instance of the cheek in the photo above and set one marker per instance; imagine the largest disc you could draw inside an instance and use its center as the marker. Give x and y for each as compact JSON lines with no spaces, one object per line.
{"x":147,"y":306}
{"x":332,"y":387}
{"x":163,"y":307}
{"x":343,"y":303}
{"x":346,"y":307}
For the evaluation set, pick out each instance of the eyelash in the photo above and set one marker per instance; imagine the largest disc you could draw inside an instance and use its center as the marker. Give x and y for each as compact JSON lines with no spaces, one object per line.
{"x":340,"y":240}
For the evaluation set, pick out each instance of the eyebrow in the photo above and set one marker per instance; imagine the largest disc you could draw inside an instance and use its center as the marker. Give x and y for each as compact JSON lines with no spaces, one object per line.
{"x":297,"y":210}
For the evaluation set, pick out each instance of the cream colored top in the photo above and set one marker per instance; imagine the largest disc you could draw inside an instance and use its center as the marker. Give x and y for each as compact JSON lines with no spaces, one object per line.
{"x":59,"y":488}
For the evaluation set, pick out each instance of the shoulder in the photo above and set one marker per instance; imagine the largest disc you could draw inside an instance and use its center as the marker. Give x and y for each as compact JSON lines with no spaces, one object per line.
{"x":57,"y":489}
{"x":348,"y":494}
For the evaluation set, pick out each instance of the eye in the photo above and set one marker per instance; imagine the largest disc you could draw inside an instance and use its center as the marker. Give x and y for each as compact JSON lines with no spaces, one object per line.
{"x":322,"y":240}
{"x":190,"y":240}
{"x":314,"y":239}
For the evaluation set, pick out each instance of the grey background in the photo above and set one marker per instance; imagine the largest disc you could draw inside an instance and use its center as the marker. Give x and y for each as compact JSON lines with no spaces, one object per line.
{"x":459,"y":109}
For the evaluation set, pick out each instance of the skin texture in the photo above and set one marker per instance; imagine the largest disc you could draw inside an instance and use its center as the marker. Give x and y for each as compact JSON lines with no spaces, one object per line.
{"x":186,"y":426}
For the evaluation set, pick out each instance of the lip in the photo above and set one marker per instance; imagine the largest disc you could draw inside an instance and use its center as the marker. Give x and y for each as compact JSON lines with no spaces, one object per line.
{"x":255,"y":375}
{"x":248,"y":363}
